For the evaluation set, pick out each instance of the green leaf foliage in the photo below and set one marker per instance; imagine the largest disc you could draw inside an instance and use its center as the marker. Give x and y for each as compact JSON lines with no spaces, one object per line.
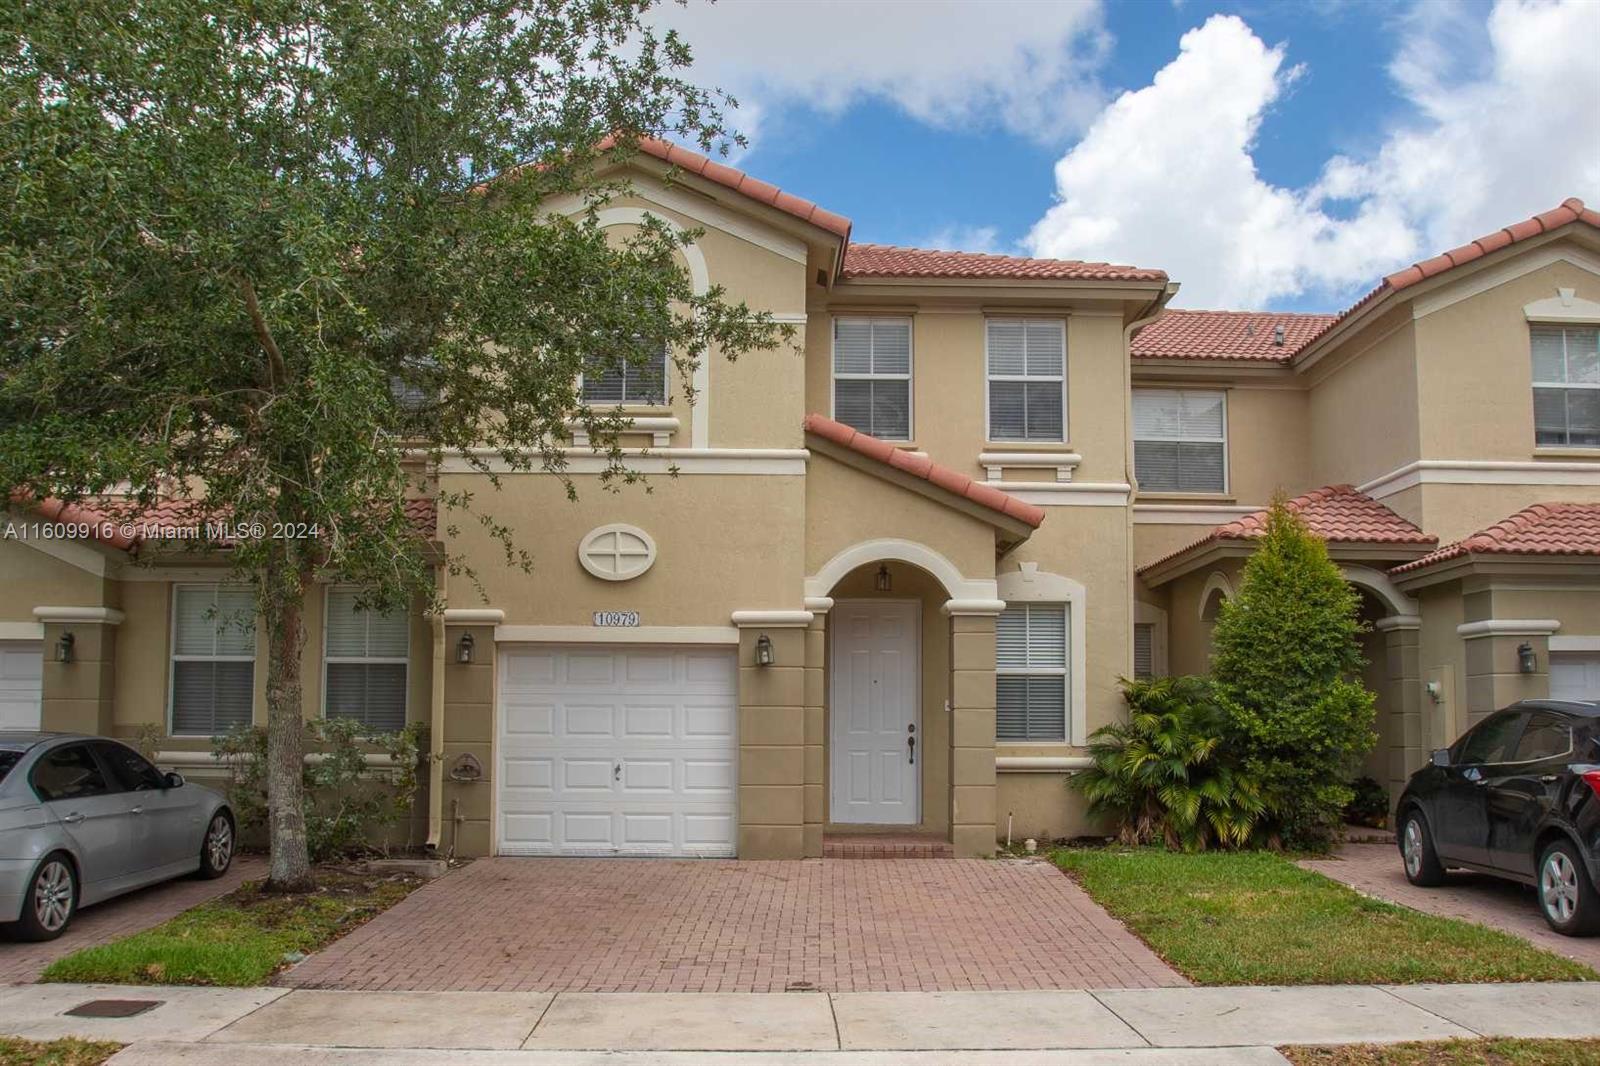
{"x":1286,"y":662}
{"x":1169,"y":774}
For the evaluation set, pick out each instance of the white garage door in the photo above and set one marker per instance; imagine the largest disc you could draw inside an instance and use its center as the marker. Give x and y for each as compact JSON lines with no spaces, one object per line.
{"x":618,"y":751}
{"x":1575,"y":675}
{"x":21,"y":682}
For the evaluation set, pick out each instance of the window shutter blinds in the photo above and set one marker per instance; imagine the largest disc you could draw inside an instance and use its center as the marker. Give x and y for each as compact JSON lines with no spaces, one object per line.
{"x":1011,"y":638}
{"x":1011,"y":708}
{"x":1044,"y":410}
{"x":1031,"y":706}
{"x":1047,"y":703}
{"x":1156,"y":413}
{"x":1046,"y":348}
{"x":872,"y":376}
{"x":1549,"y":355}
{"x":1008,"y":347}
{"x":1047,"y":637}
{"x":891,"y":410}
{"x":891,"y":347}
{"x":211,"y":696}
{"x":1144,"y":661}
{"x":346,"y":635}
{"x":1179,"y":440}
{"x":852,"y":346}
{"x":373,"y":693}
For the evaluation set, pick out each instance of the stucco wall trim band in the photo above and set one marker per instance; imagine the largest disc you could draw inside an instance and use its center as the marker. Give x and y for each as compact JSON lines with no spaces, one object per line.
{"x":1575,"y":643}
{"x":1508,"y":627}
{"x":1479,"y":472}
{"x":473,"y":616}
{"x":1041,"y":764}
{"x":618,"y":635}
{"x":774,"y":619}
{"x":103,"y":615}
{"x":21,"y":630}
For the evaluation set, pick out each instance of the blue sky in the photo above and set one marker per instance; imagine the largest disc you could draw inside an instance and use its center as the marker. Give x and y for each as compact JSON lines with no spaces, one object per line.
{"x":1288,"y":156}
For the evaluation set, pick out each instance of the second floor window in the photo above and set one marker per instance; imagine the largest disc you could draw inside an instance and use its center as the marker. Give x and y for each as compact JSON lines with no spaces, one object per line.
{"x":365,"y":657}
{"x":872,"y":375}
{"x":1027,"y":363}
{"x":1566,"y":386}
{"x":639,"y":377}
{"x":1180,"y":440}
{"x":213,"y":659}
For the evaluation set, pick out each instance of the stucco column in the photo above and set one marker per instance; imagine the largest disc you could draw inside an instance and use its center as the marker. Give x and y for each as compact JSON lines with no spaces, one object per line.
{"x":77,"y":695}
{"x":1493,"y":660}
{"x":467,"y":804}
{"x":815,"y":723}
{"x":1402,"y":732}
{"x":972,"y":717}
{"x":772,"y":735}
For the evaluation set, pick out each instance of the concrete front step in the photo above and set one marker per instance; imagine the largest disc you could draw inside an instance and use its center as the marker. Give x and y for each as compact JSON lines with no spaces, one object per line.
{"x":885,"y":846}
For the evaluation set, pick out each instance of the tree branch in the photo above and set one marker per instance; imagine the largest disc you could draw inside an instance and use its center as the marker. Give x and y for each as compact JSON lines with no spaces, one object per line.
{"x":277,"y":371}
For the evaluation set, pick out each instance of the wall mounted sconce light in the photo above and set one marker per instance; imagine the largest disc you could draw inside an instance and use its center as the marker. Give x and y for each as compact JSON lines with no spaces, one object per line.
{"x":763,"y":650}
{"x":64,"y":648}
{"x":1435,"y":691}
{"x":1525,"y":658}
{"x":464,"y":648}
{"x":884,"y":582}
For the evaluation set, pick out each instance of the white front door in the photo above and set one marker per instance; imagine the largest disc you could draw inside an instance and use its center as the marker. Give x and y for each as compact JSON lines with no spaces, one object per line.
{"x":618,"y":750}
{"x":1575,"y":675}
{"x":21,"y":683}
{"x":876,"y":732}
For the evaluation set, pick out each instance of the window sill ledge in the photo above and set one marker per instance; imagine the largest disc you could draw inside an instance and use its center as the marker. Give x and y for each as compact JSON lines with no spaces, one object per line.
{"x":1185,"y":497}
{"x":660,"y":426}
{"x":1567,"y":453}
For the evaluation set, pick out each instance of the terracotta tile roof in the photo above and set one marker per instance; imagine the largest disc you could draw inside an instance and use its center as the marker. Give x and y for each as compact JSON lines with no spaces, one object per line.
{"x":1571,"y":210}
{"x":1336,"y":513}
{"x":762,"y":192}
{"x":1543,"y":529}
{"x":1249,"y":335}
{"x":978,"y":492}
{"x":123,"y":525}
{"x":890,"y":261}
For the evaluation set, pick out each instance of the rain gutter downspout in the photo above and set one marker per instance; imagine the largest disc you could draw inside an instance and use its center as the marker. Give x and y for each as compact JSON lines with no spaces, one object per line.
{"x":436,"y":716}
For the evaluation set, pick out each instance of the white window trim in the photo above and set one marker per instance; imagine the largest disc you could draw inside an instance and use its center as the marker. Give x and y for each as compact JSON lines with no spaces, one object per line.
{"x":1029,"y":584}
{"x":909,"y":377}
{"x":405,"y":660}
{"x":1561,"y":386}
{"x":1227,"y":465}
{"x":988,"y":429}
{"x":173,"y":658}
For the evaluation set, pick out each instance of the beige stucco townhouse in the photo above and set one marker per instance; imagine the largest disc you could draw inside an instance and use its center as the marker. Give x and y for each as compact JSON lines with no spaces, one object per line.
{"x":892,"y":588}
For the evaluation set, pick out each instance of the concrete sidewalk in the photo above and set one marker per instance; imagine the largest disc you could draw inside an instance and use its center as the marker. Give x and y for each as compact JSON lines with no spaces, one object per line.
{"x":1156,"y":1026}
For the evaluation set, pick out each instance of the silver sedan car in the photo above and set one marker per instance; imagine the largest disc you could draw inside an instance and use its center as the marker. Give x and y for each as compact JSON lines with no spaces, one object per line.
{"x":84,"y":818}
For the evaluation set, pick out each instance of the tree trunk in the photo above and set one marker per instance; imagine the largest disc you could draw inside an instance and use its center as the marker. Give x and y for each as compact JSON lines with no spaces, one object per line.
{"x":290,"y":866}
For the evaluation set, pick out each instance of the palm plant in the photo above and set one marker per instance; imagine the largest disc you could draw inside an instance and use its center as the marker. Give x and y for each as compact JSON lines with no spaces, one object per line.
{"x":1168,"y":774}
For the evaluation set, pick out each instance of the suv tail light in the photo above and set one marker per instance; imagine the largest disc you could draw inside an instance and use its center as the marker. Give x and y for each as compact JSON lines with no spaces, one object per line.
{"x":1592,"y":777}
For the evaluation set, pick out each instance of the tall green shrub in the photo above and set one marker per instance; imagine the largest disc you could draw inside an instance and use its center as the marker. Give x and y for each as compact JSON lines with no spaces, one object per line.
{"x":1169,"y":774}
{"x":1286,"y":664}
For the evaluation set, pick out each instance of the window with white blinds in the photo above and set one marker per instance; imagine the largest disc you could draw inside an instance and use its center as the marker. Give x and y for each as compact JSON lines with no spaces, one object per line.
{"x":1180,"y":440}
{"x":213,"y":659}
{"x":1027,"y":368}
{"x":1144,"y":651}
{"x":1031,"y":672}
{"x":1566,"y":386}
{"x":872,"y":375}
{"x":364,"y":656}
{"x":635,"y":377}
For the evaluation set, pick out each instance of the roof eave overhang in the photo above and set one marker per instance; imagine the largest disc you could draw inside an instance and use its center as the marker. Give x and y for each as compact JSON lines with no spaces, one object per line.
{"x":1497,"y":564}
{"x":1014,"y":290}
{"x":1209,"y":552}
{"x":1009,"y":531}
{"x":1253,"y":370}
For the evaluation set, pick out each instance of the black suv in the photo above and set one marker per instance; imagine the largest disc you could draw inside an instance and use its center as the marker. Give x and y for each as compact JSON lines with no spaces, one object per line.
{"x":1517,"y":796}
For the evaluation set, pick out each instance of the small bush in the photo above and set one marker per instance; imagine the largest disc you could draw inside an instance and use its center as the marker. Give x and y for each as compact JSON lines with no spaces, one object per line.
{"x":1286,"y":666}
{"x":1169,"y":774}
{"x":1370,"y":804}
{"x":347,"y":803}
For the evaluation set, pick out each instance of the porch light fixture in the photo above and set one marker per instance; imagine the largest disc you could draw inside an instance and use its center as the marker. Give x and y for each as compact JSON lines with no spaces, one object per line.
{"x":884,"y":582}
{"x":64,"y":648}
{"x":464,"y":649}
{"x":1525,"y":660}
{"x":763,"y":650}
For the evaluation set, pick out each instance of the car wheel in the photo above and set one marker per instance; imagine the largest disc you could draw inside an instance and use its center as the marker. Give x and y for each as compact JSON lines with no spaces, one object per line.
{"x":51,"y":901}
{"x":216,"y":850}
{"x":1566,"y":895}
{"x":1416,"y":849}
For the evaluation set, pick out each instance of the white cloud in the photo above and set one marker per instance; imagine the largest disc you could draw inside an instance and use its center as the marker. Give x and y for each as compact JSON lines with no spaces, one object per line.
{"x":961,"y":238}
{"x":1165,"y":176}
{"x":1025,"y":65}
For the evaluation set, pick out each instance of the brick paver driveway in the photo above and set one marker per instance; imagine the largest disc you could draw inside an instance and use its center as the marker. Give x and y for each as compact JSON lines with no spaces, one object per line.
{"x":116,"y":918}
{"x":643,"y":925}
{"x":1375,"y":870}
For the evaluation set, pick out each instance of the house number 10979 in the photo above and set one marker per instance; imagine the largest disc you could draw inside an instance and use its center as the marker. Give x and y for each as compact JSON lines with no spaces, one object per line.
{"x":616,"y":618}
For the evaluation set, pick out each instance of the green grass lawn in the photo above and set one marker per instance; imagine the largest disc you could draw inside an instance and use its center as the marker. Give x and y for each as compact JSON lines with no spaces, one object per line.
{"x":238,"y":939}
{"x":68,"y":1052}
{"x":1254,"y":918}
{"x":1451,"y":1053}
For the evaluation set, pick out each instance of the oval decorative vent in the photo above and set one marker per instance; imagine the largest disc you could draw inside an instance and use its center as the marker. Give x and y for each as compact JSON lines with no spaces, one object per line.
{"x":617,"y":552}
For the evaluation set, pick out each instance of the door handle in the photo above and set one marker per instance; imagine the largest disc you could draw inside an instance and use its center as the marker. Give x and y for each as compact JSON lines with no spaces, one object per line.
{"x":911,"y":750}
{"x":616,"y":771}
{"x":72,"y":819}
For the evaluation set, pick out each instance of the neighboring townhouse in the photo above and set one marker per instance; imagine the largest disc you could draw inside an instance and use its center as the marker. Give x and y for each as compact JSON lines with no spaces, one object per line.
{"x":900,"y":570}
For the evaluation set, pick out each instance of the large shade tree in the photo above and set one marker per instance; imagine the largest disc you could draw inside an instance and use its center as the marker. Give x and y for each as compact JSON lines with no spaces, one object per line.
{"x":272,"y":253}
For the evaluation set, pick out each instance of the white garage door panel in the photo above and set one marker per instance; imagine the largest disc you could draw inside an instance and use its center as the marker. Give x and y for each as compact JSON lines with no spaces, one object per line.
{"x":618,"y":751}
{"x":1575,"y":675}
{"x":21,"y":683}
